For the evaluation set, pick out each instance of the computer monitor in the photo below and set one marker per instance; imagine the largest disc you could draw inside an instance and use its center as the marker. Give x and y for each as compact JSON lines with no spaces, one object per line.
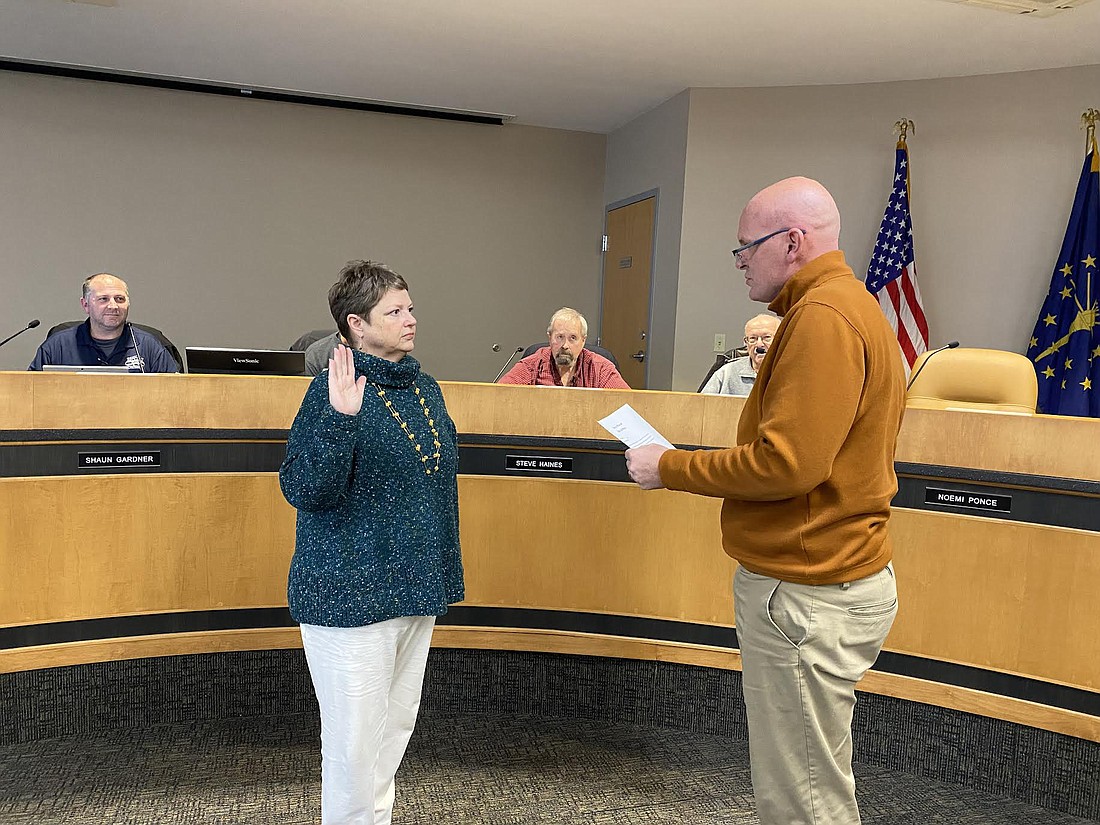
{"x":97,"y":368}
{"x":223,"y":361}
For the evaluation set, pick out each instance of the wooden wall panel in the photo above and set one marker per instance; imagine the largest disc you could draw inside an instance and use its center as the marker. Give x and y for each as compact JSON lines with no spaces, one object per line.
{"x":76,"y":548}
{"x":567,"y":412}
{"x":1017,"y":598}
{"x":592,"y":546}
{"x":62,"y":400}
{"x":1047,"y":445}
{"x":720,"y":416}
{"x":16,"y":411}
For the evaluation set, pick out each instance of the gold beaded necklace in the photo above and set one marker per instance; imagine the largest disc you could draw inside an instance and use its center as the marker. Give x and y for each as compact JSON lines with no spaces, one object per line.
{"x":424,"y":459}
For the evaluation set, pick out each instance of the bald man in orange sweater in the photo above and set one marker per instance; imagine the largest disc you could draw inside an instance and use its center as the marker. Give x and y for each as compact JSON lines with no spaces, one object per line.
{"x":807,"y":494}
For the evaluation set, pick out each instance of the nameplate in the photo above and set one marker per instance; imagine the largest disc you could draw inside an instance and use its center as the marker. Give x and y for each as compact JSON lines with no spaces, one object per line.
{"x":538,"y":464}
{"x":968,"y":500}
{"x":118,"y":460}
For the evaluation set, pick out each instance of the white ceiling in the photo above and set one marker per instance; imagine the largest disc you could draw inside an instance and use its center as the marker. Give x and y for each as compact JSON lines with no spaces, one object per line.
{"x":591,"y":65}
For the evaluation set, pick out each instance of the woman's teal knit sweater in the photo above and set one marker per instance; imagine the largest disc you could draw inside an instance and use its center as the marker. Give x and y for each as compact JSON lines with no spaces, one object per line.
{"x":377,"y":537}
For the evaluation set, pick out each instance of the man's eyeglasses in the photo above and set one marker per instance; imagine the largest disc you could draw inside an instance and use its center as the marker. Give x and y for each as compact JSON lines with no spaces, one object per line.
{"x":739,"y":253}
{"x":752,"y":339}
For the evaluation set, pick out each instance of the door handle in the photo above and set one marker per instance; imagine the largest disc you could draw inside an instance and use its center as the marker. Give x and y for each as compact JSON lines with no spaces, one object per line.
{"x":639,"y":356}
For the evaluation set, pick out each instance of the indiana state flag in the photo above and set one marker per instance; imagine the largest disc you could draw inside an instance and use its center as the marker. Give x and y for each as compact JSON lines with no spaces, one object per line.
{"x":1065,"y":346}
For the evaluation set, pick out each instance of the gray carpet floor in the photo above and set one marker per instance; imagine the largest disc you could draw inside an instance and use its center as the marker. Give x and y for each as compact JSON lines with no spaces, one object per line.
{"x":496,"y":770}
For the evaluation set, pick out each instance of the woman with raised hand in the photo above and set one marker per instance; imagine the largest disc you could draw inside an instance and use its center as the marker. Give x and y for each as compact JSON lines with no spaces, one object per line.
{"x":371,"y":466}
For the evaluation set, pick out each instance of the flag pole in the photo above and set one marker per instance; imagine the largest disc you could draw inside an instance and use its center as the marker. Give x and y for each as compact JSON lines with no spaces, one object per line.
{"x":1088,"y":121}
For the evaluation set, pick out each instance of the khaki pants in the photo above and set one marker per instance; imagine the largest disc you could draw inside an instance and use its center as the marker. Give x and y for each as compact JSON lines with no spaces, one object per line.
{"x":803,"y":649}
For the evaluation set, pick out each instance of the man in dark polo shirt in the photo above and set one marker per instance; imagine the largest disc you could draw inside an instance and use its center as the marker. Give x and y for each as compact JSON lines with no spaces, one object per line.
{"x":106,"y":338}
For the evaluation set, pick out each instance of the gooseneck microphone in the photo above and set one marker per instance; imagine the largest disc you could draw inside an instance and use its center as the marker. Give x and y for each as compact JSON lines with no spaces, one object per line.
{"x":913,"y":378}
{"x":30,"y":325}
{"x":137,"y":351}
{"x":507,"y":363}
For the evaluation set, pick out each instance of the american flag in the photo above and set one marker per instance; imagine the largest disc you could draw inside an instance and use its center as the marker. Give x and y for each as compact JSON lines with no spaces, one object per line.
{"x":892,"y":274}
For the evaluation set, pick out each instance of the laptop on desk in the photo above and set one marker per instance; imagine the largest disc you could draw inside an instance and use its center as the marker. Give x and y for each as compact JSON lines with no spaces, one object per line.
{"x":223,"y":361}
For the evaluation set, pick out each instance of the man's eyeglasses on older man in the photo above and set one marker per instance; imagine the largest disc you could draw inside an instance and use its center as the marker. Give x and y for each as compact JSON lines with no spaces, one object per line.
{"x":739,"y":253}
{"x":752,"y":339}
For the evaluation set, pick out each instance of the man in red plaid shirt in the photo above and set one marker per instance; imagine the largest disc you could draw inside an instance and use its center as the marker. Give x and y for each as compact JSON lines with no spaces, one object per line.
{"x":565,"y":362}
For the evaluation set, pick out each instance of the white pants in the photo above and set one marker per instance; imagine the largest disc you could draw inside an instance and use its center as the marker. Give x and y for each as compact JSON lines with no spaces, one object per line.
{"x":803,"y":648}
{"x":368,"y":682}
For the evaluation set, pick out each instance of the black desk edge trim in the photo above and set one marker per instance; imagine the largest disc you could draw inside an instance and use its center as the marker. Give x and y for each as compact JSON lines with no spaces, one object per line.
{"x":903,"y":468}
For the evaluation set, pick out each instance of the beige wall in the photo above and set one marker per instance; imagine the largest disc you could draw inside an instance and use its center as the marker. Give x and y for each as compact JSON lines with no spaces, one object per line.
{"x":649,"y":154}
{"x":230,"y":218}
{"x":995,"y":161}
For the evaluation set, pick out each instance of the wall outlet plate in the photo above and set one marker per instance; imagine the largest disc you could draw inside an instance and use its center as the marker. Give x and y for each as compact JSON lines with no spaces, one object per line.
{"x":719,"y":342}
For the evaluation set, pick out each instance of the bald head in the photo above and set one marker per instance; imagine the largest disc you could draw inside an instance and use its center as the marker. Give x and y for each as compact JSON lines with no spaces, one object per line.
{"x":783,"y":228}
{"x":762,"y":324}
{"x":804,"y":204}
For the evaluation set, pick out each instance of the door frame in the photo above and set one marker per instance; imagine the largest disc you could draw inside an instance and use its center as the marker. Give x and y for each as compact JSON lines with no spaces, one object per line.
{"x":656,"y":195}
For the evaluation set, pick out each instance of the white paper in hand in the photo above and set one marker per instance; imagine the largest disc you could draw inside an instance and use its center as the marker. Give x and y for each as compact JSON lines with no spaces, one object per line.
{"x":631,"y":429}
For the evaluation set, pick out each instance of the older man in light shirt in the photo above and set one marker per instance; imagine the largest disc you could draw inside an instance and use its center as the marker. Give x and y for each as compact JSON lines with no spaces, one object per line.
{"x":738,"y":376}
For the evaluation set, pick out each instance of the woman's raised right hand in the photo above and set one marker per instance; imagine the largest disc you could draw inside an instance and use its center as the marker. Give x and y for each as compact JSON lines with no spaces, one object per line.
{"x":345,"y":391}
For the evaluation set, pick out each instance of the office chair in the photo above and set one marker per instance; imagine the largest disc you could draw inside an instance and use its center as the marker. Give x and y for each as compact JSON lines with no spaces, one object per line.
{"x":980,"y":379}
{"x":606,"y":353}
{"x":720,"y":360}
{"x":156,"y":333}
{"x":314,"y":335}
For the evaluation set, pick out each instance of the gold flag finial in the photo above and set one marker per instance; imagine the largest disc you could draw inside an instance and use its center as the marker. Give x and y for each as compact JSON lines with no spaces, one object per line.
{"x":904,"y":126}
{"x":1088,"y":121}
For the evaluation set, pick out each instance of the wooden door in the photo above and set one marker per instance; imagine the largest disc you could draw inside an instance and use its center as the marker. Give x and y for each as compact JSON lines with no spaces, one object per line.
{"x":627,"y":272}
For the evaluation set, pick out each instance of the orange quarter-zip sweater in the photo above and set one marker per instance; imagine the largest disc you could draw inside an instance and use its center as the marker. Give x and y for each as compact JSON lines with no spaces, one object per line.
{"x":808,"y":487}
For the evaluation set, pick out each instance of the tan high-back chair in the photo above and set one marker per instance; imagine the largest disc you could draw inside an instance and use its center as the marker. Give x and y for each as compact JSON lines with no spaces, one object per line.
{"x":979,"y":379}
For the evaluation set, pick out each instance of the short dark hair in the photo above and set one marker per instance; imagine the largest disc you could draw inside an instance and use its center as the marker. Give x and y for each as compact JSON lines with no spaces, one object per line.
{"x":361,"y":286}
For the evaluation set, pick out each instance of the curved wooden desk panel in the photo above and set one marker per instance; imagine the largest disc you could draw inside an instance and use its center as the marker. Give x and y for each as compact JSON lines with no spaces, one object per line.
{"x":124,"y":545}
{"x":587,"y":546}
{"x":998,"y":614}
{"x":1016,"y":598}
